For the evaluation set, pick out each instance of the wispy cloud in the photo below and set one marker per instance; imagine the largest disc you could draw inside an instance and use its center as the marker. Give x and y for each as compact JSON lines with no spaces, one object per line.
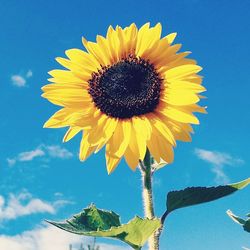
{"x":54,"y":151}
{"x":24,"y":204}
{"x":112,"y":247}
{"x":30,"y":155}
{"x":58,"y":152}
{"x":29,"y":74}
{"x":11,"y":162}
{"x":218,"y":160}
{"x":47,"y":238}
{"x":20,"y":80}
{"x":157,"y":181}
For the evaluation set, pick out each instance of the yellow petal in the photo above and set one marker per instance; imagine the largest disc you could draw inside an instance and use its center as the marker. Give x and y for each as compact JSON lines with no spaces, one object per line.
{"x":83,"y":58}
{"x":130,"y":37}
{"x":64,"y":76}
{"x":131,"y":159}
{"x":108,"y":129}
{"x":114,"y":44}
{"x":70,"y":97}
{"x":111,"y":162}
{"x":82,"y":118}
{"x":119,"y":141}
{"x":182,"y":71}
{"x":141,"y":134}
{"x":85,"y":148}
{"x":153,"y":145}
{"x":59,"y":86}
{"x":166,"y":150}
{"x":176,"y":60}
{"x":195,"y":108}
{"x":60,"y":118}
{"x":72,"y":131}
{"x":170,"y":37}
{"x":165,"y":56}
{"x":132,"y":154}
{"x":179,"y":97}
{"x":96,"y":134}
{"x":122,"y":42}
{"x":144,"y":29}
{"x":160,"y":147}
{"x":147,"y":38}
{"x":185,"y":85}
{"x":96,"y":51}
{"x":202,"y":97}
{"x":178,"y":114}
{"x":180,"y":130}
{"x":161,"y":128}
{"x":70,"y":92}
{"x":194,"y":78}
{"x":104,"y":46}
{"x":78,"y":70}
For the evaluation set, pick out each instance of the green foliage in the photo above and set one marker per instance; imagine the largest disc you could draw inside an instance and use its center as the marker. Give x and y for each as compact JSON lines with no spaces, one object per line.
{"x":197,"y":195}
{"x":100,"y":223}
{"x":244,"y":223}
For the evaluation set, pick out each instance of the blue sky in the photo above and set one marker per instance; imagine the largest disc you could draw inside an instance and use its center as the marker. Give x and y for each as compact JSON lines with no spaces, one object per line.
{"x":41,"y":178}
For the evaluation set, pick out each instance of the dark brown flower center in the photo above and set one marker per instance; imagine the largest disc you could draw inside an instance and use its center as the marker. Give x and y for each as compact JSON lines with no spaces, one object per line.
{"x":128,"y":88}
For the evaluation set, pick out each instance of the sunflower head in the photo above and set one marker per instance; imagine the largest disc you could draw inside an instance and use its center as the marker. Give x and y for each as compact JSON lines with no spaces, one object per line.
{"x":131,"y":87}
{"x":130,"y":91}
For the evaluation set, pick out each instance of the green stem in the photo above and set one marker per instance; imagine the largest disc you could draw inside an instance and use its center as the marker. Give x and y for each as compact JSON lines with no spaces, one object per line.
{"x":147,"y":194}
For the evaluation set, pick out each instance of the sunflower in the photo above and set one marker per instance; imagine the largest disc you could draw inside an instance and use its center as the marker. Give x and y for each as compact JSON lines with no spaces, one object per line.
{"x":129,"y":91}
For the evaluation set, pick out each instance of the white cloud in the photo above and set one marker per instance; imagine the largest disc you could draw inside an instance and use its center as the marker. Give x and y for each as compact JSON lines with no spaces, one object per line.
{"x":54,"y":151}
{"x":218,"y":160}
{"x":11,"y":162}
{"x":41,"y":238}
{"x":157,"y":181}
{"x":220,"y":175}
{"x":112,"y":247}
{"x":29,"y":74}
{"x":30,"y":155}
{"x":61,"y":203}
{"x":58,"y":152}
{"x":58,"y":194}
{"x":24,"y":204}
{"x":48,"y":238}
{"x":18,"y":80}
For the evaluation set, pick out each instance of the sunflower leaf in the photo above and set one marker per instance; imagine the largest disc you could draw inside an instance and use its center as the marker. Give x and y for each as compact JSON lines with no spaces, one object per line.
{"x":101,"y":223}
{"x":244,"y":223}
{"x":196,"y":195}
